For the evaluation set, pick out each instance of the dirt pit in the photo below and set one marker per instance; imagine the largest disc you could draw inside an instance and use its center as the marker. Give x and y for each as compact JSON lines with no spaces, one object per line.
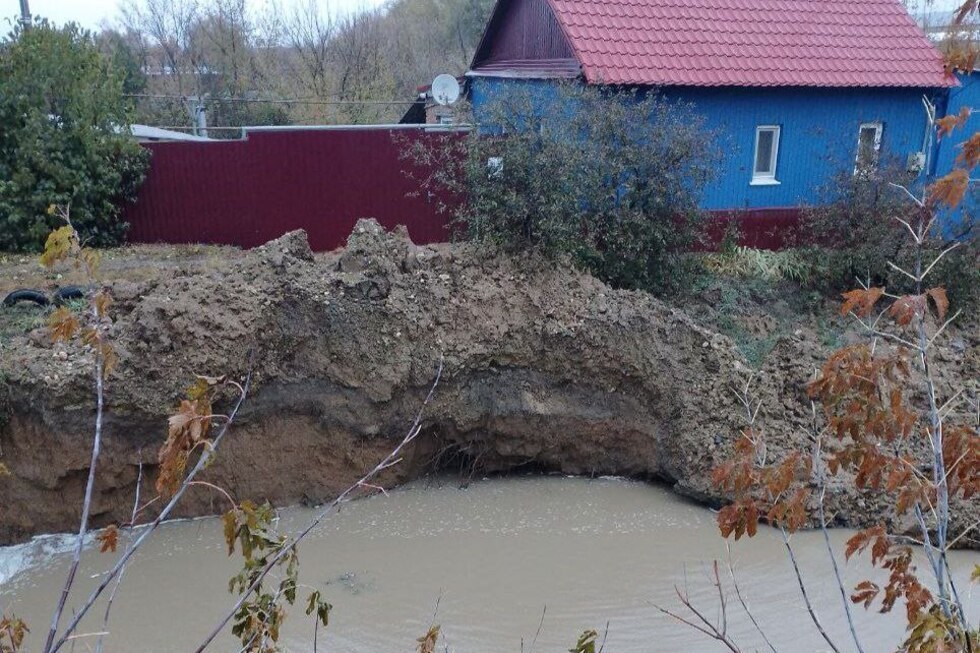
{"x":544,"y":367}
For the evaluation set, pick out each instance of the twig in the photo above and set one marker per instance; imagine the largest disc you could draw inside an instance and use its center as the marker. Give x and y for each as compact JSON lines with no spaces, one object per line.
{"x":538,"y":631}
{"x":955,"y":540}
{"x":942,"y":328}
{"x":938,"y":258}
{"x":712,"y":630}
{"x":129,"y":543}
{"x":821,"y":483}
{"x":87,"y":503}
{"x":413,"y":432}
{"x":898,"y":269}
{"x":837,"y":576}
{"x":907,"y":192}
{"x":806,"y":595}
{"x":216,"y":488}
{"x":605,"y":634}
{"x":745,"y":606}
{"x":202,"y":463}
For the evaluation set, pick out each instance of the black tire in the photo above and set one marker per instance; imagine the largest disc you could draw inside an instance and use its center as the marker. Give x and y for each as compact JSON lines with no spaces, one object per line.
{"x":25,"y":295}
{"x":67,"y":293}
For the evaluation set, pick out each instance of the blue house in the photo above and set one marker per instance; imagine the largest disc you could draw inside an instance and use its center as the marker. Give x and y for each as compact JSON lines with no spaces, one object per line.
{"x":801,"y":91}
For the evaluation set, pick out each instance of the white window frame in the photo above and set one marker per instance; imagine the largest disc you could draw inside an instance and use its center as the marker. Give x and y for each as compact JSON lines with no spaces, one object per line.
{"x":878,"y":126}
{"x":766,"y":178}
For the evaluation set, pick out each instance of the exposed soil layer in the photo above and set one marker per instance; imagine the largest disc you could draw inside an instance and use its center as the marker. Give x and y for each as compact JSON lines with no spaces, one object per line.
{"x":544,"y":366}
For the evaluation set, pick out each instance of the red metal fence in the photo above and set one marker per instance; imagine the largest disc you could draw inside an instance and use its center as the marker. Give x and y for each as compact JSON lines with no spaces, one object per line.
{"x":250,"y":191}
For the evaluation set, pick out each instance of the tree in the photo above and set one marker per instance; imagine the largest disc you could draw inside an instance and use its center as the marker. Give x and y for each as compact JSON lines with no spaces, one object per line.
{"x":610,"y":180}
{"x":65,"y":137}
{"x":883,"y":423}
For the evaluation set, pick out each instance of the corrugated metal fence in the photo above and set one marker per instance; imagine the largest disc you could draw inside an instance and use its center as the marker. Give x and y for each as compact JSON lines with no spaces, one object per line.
{"x":250,"y":191}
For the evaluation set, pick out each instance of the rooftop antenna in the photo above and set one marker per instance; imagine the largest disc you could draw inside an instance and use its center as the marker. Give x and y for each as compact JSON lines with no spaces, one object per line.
{"x":445,"y":89}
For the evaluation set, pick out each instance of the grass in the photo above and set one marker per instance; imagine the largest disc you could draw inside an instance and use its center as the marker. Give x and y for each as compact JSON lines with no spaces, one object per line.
{"x":131,"y":263}
{"x":19,"y":319}
{"x":788,"y":264}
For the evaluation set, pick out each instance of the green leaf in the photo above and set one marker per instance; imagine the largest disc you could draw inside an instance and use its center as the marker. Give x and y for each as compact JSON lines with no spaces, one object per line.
{"x":586,"y":642}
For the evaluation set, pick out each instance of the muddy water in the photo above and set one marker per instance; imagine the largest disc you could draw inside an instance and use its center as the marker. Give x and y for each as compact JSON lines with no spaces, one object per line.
{"x":493,"y":556}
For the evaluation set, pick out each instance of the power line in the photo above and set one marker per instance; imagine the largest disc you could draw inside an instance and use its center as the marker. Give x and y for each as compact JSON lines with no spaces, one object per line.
{"x":150,"y":96}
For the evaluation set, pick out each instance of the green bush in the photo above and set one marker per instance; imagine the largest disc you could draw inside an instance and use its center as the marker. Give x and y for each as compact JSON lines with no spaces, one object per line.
{"x":64,"y":139}
{"x":609,"y":180}
{"x":855,"y":234}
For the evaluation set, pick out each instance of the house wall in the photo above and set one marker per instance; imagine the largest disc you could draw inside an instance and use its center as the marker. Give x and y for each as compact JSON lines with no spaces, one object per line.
{"x":818,"y":138}
{"x":956,"y":221}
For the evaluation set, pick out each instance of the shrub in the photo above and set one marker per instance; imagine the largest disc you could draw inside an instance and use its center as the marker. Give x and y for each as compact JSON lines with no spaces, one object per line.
{"x":65,"y":138}
{"x":609,"y":180}
{"x":856,"y":235}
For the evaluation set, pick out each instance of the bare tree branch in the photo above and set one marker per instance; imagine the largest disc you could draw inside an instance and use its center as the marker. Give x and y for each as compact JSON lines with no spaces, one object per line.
{"x":706,"y":626}
{"x":129,"y":544}
{"x":205,"y":459}
{"x":806,"y":596}
{"x":741,"y":600}
{"x":395,"y":453}
{"x":89,"y":487}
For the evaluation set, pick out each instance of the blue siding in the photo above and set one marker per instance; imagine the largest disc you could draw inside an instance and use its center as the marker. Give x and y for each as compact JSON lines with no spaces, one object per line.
{"x":956,"y":221}
{"x":818,"y":136}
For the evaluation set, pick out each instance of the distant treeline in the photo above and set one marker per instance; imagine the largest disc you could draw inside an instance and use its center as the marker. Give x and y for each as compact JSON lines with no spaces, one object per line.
{"x":301,"y":63}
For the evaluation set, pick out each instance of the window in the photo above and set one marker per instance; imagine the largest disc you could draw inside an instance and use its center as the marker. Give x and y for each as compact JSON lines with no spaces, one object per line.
{"x":869,"y":143}
{"x":766,"y":153}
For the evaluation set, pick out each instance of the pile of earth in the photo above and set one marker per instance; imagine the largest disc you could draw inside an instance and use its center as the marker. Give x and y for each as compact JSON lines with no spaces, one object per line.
{"x":544,"y":368}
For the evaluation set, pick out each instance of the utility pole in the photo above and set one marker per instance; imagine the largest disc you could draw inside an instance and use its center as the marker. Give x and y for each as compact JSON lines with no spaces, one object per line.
{"x":25,"y":14}
{"x":199,"y":116}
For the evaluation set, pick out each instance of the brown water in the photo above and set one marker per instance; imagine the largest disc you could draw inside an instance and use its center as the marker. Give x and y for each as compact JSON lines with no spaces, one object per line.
{"x":497,"y":553}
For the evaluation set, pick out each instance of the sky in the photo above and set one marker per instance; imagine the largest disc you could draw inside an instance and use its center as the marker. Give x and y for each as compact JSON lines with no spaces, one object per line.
{"x":92,"y":13}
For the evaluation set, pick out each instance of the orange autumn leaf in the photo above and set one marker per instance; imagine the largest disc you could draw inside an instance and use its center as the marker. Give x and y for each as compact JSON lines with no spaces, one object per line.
{"x":861,"y":301}
{"x":860,"y":540}
{"x":970,"y":153}
{"x":63,"y":324}
{"x":949,"y":190}
{"x":906,"y":308}
{"x":865,"y":592}
{"x":427,"y":642}
{"x":947,"y":124}
{"x":939,"y":299}
{"x":108,"y":539}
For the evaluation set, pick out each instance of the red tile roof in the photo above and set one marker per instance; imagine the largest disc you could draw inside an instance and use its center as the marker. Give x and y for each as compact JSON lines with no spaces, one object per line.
{"x":750,"y":43}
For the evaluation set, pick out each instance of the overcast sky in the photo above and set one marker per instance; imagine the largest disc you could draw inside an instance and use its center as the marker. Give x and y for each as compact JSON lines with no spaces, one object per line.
{"x":92,"y":13}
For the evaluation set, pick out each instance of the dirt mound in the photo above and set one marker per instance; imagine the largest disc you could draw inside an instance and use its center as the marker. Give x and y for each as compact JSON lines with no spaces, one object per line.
{"x":544,"y":367}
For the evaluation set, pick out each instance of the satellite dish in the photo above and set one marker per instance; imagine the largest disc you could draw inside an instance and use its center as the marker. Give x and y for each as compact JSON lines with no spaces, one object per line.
{"x":445,"y":89}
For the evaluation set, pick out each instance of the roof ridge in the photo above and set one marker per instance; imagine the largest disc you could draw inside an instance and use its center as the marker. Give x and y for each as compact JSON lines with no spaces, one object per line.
{"x":748,"y":42}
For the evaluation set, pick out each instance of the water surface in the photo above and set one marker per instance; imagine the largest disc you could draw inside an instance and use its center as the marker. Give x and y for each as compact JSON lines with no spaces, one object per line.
{"x":495,"y":556}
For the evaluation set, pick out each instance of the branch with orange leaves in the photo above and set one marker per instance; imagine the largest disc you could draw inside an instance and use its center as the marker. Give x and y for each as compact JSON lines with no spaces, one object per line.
{"x":207,"y":456}
{"x":393,"y":458}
